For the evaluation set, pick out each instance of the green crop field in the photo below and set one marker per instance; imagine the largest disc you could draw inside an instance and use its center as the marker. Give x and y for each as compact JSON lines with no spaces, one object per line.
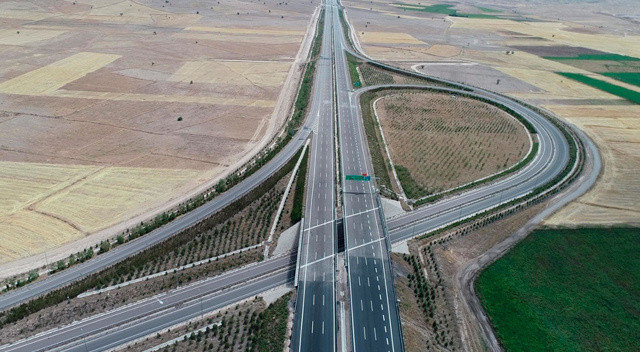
{"x":605,"y":57}
{"x":567,"y":290}
{"x":446,"y":9}
{"x":627,"y":77}
{"x":625,"y":93}
{"x":486,"y":9}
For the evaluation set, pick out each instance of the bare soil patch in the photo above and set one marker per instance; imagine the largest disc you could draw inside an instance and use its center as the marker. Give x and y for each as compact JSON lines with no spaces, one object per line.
{"x":557,"y":50}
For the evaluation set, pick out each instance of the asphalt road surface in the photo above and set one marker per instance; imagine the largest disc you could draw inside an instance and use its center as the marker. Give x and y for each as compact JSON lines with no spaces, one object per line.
{"x":362,"y":223}
{"x":116,"y":327}
{"x":375,"y":325}
{"x":315,"y":323}
{"x":551,"y":159}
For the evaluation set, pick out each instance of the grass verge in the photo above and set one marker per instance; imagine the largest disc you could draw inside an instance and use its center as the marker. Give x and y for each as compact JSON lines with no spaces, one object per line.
{"x":376,"y":148}
{"x":271,"y":327}
{"x":567,"y":290}
{"x":298,"y":195}
{"x":353,"y":71}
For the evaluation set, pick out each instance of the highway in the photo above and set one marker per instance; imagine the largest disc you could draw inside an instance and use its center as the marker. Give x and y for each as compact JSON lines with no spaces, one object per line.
{"x":315,"y":323}
{"x":116,"y":327}
{"x":375,"y":325}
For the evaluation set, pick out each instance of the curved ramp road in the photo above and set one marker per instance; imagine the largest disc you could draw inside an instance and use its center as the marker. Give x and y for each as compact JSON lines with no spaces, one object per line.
{"x":551,"y":159}
{"x":375,"y":324}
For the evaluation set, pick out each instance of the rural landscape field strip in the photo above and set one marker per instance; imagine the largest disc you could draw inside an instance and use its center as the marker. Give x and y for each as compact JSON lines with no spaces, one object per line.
{"x":149,"y":125}
{"x":622,"y":92}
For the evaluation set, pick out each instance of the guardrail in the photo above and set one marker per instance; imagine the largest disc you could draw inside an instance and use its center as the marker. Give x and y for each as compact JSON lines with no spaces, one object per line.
{"x":300,"y":234}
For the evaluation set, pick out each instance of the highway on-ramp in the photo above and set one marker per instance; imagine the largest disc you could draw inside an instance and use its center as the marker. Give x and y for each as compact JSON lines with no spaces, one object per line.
{"x":359,"y":207}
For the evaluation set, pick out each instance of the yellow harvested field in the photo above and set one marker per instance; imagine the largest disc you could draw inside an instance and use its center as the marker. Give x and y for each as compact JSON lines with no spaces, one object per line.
{"x":46,"y":205}
{"x":556,"y":85}
{"x":7,"y":12}
{"x":261,"y":74}
{"x":26,"y":233}
{"x":399,"y":53}
{"x":110,"y":195}
{"x":555,"y":32}
{"x":22,"y":184}
{"x":239,"y":38}
{"x":26,"y":36}
{"x":388,"y":38}
{"x":50,"y":78}
{"x":114,"y":110}
{"x":614,"y":199}
{"x":408,"y":6}
{"x":541,"y":73}
{"x":126,"y":8}
{"x":211,"y":100}
{"x":237,"y":30}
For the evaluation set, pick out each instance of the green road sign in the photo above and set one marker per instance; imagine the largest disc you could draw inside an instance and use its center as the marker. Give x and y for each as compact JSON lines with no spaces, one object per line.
{"x":358,"y":178}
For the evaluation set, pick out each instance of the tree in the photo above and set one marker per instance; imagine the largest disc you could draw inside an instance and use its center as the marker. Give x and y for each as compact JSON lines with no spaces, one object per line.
{"x":105,"y":246}
{"x":221,"y":186}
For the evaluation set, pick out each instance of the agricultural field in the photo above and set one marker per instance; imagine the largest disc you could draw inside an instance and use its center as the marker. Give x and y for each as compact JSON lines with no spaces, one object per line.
{"x":520,"y":55}
{"x":104,"y":128}
{"x":566,"y":290}
{"x":228,"y":239}
{"x":438,"y":142}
